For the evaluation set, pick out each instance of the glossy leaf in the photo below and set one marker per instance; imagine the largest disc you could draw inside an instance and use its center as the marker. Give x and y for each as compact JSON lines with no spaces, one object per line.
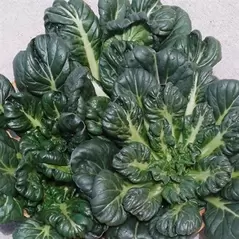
{"x":78,"y":89}
{"x":28,"y":182}
{"x":44,"y":66}
{"x":23,"y":112}
{"x":53,"y":103}
{"x":6,"y":89}
{"x":213,"y":173}
{"x":180,"y":192}
{"x":10,"y":158}
{"x":11,"y":209}
{"x":70,"y":219}
{"x":181,"y":220}
{"x":107,"y":198}
{"x":128,"y":230}
{"x":77,"y":24}
{"x":121,"y":55}
{"x":133,"y":163}
{"x":88,"y":159}
{"x":33,"y":229}
{"x":132,"y":28}
{"x":143,"y":202}
{"x":110,"y":10}
{"x":219,"y":214}
{"x":205,"y":52}
{"x":95,"y":109}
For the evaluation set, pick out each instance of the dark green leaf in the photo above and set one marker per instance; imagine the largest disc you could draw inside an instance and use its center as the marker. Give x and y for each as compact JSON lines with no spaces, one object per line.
{"x":71,"y":219}
{"x":133,"y":162}
{"x":205,"y":52}
{"x":180,"y":192}
{"x":108,"y":192}
{"x":44,"y":66}
{"x":181,"y":220}
{"x":121,"y":55}
{"x":124,"y":123}
{"x":53,"y":103}
{"x":32,"y":229}
{"x":23,"y":112}
{"x":136,"y":81}
{"x":95,"y":109}
{"x":10,"y":158}
{"x":28,"y":182}
{"x":221,"y":219}
{"x":213,"y":173}
{"x":6,"y":89}
{"x":77,"y":24}
{"x":88,"y":159}
{"x":143,"y":202}
{"x":231,"y":190}
{"x":147,"y":6}
{"x":131,"y":229}
{"x":78,"y":89}
{"x":10,"y":209}
{"x":133,"y":28}
{"x":110,"y":10}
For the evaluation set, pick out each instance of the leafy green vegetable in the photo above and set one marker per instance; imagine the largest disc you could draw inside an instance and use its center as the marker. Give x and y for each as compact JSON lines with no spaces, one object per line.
{"x":6,"y":90}
{"x":44,"y":66}
{"x":221,"y":213}
{"x":141,"y":156}
{"x":88,"y":159}
{"x":77,"y":24}
{"x":35,"y":229}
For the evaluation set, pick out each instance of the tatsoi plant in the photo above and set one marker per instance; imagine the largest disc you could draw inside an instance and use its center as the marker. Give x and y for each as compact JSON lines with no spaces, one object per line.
{"x":158,"y":145}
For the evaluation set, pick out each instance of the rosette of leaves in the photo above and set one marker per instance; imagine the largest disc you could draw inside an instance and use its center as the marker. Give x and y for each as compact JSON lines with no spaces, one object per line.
{"x":156,"y":145}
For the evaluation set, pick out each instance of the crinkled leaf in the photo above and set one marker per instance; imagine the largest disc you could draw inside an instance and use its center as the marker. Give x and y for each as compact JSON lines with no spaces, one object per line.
{"x":44,"y":150}
{"x":147,"y":6}
{"x":10,"y":158}
{"x":183,"y":220}
{"x":135,"y":81}
{"x":44,"y":66}
{"x":201,"y":79}
{"x":166,"y":104}
{"x":143,"y":202}
{"x":221,"y":219}
{"x":78,"y":89}
{"x":88,"y":159}
{"x":28,"y":182}
{"x":23,"y":112}
{"x":11,"y":209}
{"x":77,"y":24}
{"x":133,"y":163}
{"x":110,"y":10}
{"x":107,"y":198}
{"x":6,"y":89}
{"x":56,"y":172}
{"x":124,"y":123}
{"x":32,"y":229}
{"x":133,"y":28}
{"x":132,"y":228}
{"x":95,"y":109}
{"x":53,"y":103}
{"x":180,"y":192}
{"x":121,"y":55}
{"x":70,"y":219}
{"x":205,"y":52}
{"x":223,"y":97}
{"x":231,"y":190}
{"x":202,"y":117}
{"x":177,"y":24}
{"x":213,"y":173}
